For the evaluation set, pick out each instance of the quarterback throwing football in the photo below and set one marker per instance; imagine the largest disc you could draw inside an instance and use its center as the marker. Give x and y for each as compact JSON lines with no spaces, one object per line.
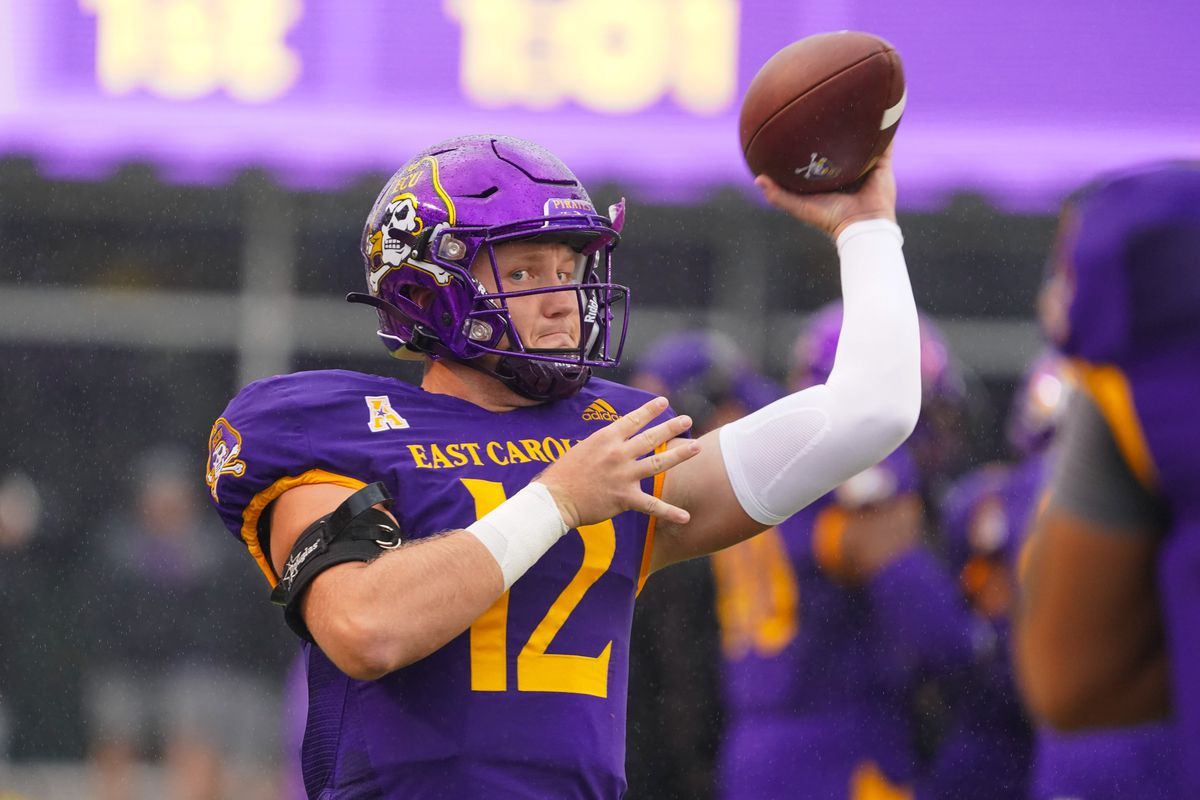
{"x":463,"y":557}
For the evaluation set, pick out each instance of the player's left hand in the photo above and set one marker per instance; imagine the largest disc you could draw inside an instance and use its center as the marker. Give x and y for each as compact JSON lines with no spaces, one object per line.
{"x":831,"y":212}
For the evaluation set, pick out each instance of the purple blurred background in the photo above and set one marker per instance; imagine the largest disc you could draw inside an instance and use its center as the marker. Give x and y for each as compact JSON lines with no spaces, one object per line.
{"x":1019,"y":101}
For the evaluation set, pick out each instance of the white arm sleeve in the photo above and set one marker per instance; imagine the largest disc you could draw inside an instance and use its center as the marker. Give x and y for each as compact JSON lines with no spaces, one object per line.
{"x":782,"y":457}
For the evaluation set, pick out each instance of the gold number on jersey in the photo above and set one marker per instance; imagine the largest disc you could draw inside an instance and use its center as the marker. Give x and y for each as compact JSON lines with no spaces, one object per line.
{"x":758,"y":597}
{"x":537,"y":670}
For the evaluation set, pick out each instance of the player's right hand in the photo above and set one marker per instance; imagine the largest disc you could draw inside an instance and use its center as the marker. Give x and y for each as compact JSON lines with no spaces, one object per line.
{"x":831,"y":212}
{"x":601,"y":476}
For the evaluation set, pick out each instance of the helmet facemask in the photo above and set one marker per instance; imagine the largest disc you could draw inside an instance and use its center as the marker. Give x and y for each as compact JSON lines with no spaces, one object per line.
{"x":451,"y":207}
{"x":455,"y":293}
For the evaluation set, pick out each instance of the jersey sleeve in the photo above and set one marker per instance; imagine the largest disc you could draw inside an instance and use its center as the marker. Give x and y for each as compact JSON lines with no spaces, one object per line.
{"x":257,"y":450}
{"x":1095,"y":478}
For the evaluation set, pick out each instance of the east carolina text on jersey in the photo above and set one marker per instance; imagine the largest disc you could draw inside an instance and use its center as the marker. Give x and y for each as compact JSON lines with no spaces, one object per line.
{"x":497,"y":452}
{"x":531,"y":699}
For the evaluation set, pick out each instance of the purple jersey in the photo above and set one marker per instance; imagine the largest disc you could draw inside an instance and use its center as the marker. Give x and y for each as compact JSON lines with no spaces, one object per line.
{"x":1128,"y":315}
{"x":815,"y":706}
{"x":988,"y":516}
{"x":987,"y":750}
{"x":530,"y":700}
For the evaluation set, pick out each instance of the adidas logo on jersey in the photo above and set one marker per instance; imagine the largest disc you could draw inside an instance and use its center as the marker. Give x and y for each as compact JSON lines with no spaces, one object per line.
{"x":600,"y":411}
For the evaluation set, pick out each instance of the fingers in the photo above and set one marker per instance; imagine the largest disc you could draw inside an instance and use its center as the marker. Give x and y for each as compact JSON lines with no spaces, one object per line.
{"x":637,"y":419}
{"x":656,"y":507}
{"x":651,"y":438}
{"x":628,"y":426}
{"x":818,"y":210}
{"x":663,"y":461}
{"x":885,"y":160}
{"x":781,"y":198}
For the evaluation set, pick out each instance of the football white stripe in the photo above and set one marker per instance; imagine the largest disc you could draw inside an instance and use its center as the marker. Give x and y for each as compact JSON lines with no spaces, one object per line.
{"x":892,"y":115}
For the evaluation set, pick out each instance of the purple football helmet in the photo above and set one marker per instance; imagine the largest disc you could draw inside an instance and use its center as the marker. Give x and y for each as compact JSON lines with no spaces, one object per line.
{"x":700,"y":371}
{"x":814,"y":351}
{"x":939,"y":442}
{"x":1038,"y":405}
{"x":458,"y":200}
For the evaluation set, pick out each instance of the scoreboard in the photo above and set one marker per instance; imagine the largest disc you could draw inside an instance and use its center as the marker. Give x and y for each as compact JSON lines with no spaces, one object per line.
{"x":1018,"y":101}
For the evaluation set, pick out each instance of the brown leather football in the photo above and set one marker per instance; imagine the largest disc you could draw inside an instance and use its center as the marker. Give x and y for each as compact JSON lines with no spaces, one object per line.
{"x":821,"y":111}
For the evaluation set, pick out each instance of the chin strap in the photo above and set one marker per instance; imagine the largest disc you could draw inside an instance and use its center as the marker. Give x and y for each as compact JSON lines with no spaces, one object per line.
{"x":536,"y":380}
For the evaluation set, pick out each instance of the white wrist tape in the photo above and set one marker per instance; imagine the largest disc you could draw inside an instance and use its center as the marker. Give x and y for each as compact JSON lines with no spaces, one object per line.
{"x":782,"y":457}
{"x":520,"y":530}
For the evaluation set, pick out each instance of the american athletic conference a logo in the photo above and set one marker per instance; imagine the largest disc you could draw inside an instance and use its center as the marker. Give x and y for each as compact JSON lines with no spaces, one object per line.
{"x":382,"y":416}
{"x":600,"y":411}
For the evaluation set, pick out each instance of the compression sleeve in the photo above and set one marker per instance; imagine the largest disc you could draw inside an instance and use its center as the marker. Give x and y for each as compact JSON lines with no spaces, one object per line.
{"x":782,"y":457}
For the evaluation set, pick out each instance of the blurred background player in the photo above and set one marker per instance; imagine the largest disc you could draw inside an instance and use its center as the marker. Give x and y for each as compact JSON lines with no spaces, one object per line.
{"x":1108,"y":633}
{"x":988,"y":518}
{"x":23,"y":577}
{"x":988,"y":744}
{"x":674,"y":708}
{"x":171,"y":680}
{"x":827,"y":622}
{"x":950,"y":412}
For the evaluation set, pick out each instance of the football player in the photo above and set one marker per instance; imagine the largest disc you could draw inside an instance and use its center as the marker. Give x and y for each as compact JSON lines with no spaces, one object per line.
{"x":987,"y":749}
{"x":462,"y":557}
{"x":827,"y":620}
{"x":1107,"y":632}
{"x":988,"y":518}
{"x":674,"y":713}
{"x":939,"y":444}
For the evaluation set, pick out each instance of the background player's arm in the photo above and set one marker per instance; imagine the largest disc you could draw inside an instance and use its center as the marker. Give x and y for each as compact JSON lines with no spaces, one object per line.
{"x":374,"y":617}
{"x":825,"y":434}
{"x":1089,"y":644}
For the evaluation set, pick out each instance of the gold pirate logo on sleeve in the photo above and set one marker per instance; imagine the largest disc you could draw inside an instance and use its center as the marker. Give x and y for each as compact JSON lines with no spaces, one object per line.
{"x":224,"y":447}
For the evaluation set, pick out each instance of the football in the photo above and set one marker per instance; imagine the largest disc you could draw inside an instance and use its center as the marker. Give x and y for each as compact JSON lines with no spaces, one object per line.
{"x":821,"y":111}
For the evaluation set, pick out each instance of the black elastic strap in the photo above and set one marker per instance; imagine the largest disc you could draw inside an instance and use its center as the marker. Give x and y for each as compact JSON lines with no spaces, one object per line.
{"x":355,"y":531}
{"x":372,"y":495}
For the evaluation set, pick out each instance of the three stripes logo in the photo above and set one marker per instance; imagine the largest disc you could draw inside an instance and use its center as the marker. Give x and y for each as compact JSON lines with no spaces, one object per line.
{"x":600,"y":411}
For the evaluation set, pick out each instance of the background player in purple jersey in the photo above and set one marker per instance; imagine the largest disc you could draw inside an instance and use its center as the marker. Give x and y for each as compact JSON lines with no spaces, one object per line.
{"x":987,"y":524}
{"x":674,"y":709}
{"x":827,"y":621}
{"x":463,"y":556}
{"x":1107,"y":630}
{"x":988,"y":745}
{"x":940,"y":442}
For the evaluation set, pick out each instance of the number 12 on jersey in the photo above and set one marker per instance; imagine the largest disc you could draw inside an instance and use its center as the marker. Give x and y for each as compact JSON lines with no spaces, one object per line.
{"x":537,"y":670}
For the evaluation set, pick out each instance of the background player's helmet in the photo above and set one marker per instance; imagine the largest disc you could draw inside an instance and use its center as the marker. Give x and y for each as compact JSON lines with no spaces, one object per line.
{"x":939,"y":442}
{"x":1038,"y":405}
{"x":815,"y":349}
{"x":701,"y":371}
{"x":458,"y":200}
{"x":1121,"y":240}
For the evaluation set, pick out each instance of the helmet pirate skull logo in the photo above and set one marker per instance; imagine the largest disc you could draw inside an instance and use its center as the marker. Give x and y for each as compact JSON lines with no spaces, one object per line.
{"x":392,"y":243}
{"x":399,"y":224}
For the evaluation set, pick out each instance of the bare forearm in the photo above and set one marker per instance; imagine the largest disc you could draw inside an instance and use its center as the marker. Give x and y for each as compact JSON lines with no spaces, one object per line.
{"x":1088,"y":632}
{"x":373,"y":618}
